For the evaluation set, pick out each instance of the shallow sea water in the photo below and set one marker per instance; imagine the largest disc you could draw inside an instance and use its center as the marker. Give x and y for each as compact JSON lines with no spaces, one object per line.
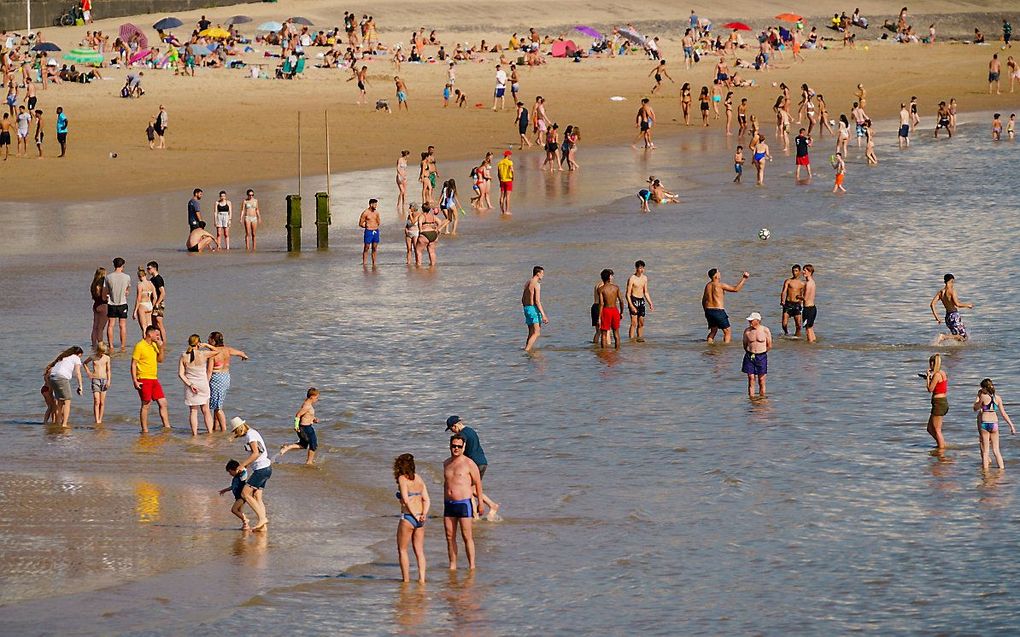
{"x":641,"y":490}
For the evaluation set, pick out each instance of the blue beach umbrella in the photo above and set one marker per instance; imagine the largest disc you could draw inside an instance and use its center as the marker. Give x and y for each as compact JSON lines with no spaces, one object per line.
{"x":270,"y":26}
{"x":46,"y":46}
{"x":167,"y":23}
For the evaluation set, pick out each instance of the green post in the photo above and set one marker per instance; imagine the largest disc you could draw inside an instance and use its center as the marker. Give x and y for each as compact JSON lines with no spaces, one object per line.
{"x":293,"y":223}
{"x":322,"y":221}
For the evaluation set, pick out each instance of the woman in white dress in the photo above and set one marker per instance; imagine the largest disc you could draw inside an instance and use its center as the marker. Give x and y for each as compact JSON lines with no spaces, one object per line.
{"x":194,"y":370}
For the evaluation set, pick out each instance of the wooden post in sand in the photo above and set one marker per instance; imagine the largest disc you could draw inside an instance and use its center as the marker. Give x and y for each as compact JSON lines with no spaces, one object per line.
{"x":293,"y":223}
{"x":322,"y":200}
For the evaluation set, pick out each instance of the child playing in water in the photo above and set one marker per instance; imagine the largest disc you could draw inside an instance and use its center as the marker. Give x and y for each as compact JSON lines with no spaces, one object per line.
{"x":1011,"y":126}
{"x":446,"y":94}
{"x":303,"y":421}
{"x":236,"y":486}
{"x":97,"y":367}
{"x":738,"y":164}
{"x":997,"y":127}
{"x":51,"y":405}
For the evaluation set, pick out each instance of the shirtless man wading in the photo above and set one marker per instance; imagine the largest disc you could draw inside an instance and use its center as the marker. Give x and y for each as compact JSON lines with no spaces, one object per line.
{"x":531,"y":299}
{"x":639,"y":300}
{"x":610,"y":309}
{"x":712,"y":302}
{"x":810,"y":311}
{"x":952,"y":303}
{"x":461,"y":482}
{"x":792,"y":299}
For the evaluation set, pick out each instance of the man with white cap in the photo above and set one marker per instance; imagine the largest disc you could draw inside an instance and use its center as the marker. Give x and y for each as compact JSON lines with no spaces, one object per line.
{"x":757,"y":343}
{"x":259,"y":461}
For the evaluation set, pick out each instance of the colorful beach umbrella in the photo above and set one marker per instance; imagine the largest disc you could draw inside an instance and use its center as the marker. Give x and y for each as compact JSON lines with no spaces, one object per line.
{"x":270,"y":26}
{"x":84,"y":56}
{"x":167,"y":23}
{"x":128,"y":31}
{"x":238,"y":19}
{"x":217,"y":33}
{"x":299,"y":20}
{"x":737,"y":26}
{"x":789,"y":17}
{"x":138,"y":56}
{"x":589,"y":31}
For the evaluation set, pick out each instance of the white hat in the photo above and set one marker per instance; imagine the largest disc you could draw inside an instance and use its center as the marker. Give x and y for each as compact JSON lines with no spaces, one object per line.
{"x":236,"y":423}
{"x":754,"y":317}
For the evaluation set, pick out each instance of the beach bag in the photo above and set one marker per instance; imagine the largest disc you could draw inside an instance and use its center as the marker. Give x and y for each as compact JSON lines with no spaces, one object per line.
{"x":697,"y":58}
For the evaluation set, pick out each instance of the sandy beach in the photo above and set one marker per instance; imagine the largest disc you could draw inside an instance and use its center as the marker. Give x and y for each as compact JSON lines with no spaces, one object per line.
{"x":228,"y":130}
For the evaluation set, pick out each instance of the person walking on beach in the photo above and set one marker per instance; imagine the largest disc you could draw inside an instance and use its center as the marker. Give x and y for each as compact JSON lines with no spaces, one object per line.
{"x":195,"y":209}
{"x":499,"y":95}
{"x":219,"y":379}
{"x":473,"y":450}
{"x":61,"y":131}
{"x":994,"y":69}
{"x":791,"y":299}
{"x":370,"y":221}
{"x":414,"y":511}
{"x":757,"y":343}
{"x":194,"y":369}
{"x":521,"y":119}
{"x":947,"y":295}
{"x":98,"y":369}
{"x":989,"y":404}
{"x":534,"y":314}
{"x":761,"y":153}
{"x":159,"y":303}
{"x":261,"y":467}
{"x":401,"y":88}
{"x":99,"y":306}
{"x":304,"y":421}
{"x":505,"y":172}
{"x":904,"y":133}
{"x":810,"y":310}
{"x":639,"y":301}
{"x":58,"y":376}
{"x":610,"y":303}
{"x":713,"y":302}
{"x":644,"y":120}
{"x":118,"y":286}
{"x":803,"y":143}
{"x":160,"y":127}
{"x":145,"y":359}
{"x":462,"y":483}
{"x":937,"y":382}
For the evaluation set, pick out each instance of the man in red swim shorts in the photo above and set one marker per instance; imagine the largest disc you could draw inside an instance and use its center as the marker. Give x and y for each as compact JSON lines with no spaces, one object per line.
{"x":505,"y":171}
{"x":145,"y":359}
{"x":610,"y":309}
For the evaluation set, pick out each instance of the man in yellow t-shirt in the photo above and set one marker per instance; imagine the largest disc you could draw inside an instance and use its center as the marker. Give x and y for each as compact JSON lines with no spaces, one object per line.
{"x":505,"y":170}
{"x":145,"y":360}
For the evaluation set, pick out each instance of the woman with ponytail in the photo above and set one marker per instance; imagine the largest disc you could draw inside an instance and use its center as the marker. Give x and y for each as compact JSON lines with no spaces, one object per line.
{"x":989,"y":405}
{"x":194,"y":370}
{"x":58,"y":377}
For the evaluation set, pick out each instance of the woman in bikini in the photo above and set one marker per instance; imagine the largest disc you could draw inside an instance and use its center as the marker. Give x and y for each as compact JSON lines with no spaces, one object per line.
{"x":251,"y":215}
{"x":573,"y":138}
{"x":843,"y":135}
{"x":219,"y":379}
{"x":411,"y":230}
{"x":414,"y":510}
{"x":685,"y":102}
{"x":704,"y":100}
{"x":450,"y":204}
{"x":402,"y":181}
{"x":428,"y":234}
{"x":424,"y":168}
{"x":143,"y":301}
{"x":552,"y":144}
{"x":486,"y":203}
{"x":728,"y":103}
{"x":988,"y":405}
{"x":761,"y":153}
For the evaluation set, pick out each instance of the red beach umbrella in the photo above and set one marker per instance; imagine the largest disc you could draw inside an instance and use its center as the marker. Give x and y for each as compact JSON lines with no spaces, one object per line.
{"x":789,"y":17}
{"x":737,"y":26}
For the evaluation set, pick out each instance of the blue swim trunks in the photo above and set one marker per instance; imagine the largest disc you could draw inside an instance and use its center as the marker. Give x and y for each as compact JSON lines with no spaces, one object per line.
{"x":717,"y":318}
{"x":532,"y":315}
{"x":500,"y":91}
{"x":237,"y":484}
{"x":401,"y":96}
{"x":955,"y":324}
{"x":644,"y":194}
{"x":307,"y":438}
{"x":738,"y":168}
{"x":755,"y":364}
{"x":371,"y":236}
{"x":458,"y":509}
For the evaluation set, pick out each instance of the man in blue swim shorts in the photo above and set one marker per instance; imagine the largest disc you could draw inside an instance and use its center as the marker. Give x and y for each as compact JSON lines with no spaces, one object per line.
{"x":531,"y":299}
{"x":757,"y":343}
{"x":952,"y":303}
{"x":370,"y":221}
{"x":461,"y":482}
{"x":712,"y":302}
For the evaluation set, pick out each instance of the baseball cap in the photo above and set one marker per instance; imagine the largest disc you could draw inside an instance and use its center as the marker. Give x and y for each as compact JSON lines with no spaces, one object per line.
{"x":451,"y":421}
{"x":754,"y":317}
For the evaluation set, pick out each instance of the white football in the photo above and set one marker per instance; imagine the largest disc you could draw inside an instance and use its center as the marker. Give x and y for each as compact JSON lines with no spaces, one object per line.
{"x":764,"y":234}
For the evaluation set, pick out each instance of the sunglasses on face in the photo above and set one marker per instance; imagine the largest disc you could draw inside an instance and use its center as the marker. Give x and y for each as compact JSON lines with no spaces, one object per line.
{"x":456,"y":446}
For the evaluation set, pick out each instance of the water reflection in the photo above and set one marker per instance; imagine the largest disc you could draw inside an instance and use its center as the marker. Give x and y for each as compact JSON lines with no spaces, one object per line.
{"x":147,"y":505}
{"x":411,"y":606}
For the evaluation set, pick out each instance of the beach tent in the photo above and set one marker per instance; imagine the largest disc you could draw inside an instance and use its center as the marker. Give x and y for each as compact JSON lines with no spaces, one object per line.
{"x":563,"y":48}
